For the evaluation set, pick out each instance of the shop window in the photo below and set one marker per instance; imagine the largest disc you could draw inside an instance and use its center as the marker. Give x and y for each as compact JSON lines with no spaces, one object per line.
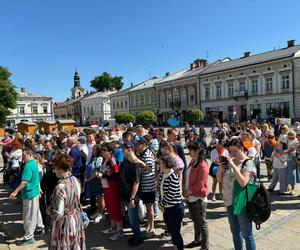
{"x":281,"y":109}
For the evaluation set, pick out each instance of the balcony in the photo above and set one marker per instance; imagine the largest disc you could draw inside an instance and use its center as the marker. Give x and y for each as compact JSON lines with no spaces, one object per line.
{"x":240,"y":94}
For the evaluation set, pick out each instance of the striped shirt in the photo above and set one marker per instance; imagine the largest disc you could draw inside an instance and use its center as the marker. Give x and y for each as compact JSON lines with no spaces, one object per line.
{"x":148,"y":178}
{"x":169,"y":192}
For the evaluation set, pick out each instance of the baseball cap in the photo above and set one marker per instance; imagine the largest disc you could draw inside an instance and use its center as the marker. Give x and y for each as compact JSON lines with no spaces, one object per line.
{"x":141,"y":140}
{"x":128,"y":145}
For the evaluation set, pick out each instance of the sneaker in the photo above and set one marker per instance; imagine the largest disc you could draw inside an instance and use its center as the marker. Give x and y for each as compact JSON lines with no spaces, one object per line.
{"x":135,"y":241}
{"x":117,"y":236}
{"x":98,"y":218}
{"x":94,"y":215}
{"x":213,"y":198}
{"x":108,"y":231}
{"x":25,"y":242}
{"x":40,"y":232}
{"x":149,"y":234}
{"x":193,"y":244}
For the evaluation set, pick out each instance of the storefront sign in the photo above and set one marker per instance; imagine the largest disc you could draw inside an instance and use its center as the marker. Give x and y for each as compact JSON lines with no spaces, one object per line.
{"x":270,"y":100}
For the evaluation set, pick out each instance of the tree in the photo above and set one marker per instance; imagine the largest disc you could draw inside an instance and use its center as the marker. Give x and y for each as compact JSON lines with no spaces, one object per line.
{"x":124,"y":118}
{"x":8,"y":95}
{"x":106,"y":82}
{"x":146,"y":118}
{"x":193,"y":115}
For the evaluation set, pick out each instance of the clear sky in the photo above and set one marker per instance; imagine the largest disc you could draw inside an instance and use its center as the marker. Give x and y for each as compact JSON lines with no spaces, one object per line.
{"x":41,"y":42}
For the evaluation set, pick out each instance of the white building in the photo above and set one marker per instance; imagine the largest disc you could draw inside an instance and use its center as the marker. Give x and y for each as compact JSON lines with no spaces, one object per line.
{"x":262,"y":86}
{"x":31,"y":108}
{"x":120,"y":101}
{"x":96,"y":107}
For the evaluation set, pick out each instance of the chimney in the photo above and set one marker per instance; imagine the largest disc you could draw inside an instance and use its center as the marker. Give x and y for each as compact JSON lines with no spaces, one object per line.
{"x":168,"y":73}
{"x":131,"y":85}
{"x":247,"y":54}
{"x":291,"y":43}
{"x":200,"y":63}
{"x":191,"y":66}
{"x":22,"y":90}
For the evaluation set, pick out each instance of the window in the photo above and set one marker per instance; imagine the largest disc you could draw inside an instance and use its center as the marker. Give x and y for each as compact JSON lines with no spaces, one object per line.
{"x":152,"y":98}
{"x":279,"y":109}
{"x":22,"y":110}
{"x":207,"y":92}
{"x":118,"y":105}
{"x":122,"y":105}
{"x":142,"y":100}
{"x":162,"y":100}
{"x":192,"y":97}
{"x":183,"y":96}
{"x":285,"y":82}
{"x":242,"y":86}
{"x":254,"y":86}
{"x":114,"y":106}
{"x":269,"y":84}
{"x":45,"y":109}
{"x":230,"y":89}
{"x":219,"y":91}
{"x":34,"y":110}
{"x":126,"y":105}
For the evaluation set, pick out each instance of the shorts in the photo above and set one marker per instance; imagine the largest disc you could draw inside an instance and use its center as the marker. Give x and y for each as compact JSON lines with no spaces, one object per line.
{"x":148,"y":197}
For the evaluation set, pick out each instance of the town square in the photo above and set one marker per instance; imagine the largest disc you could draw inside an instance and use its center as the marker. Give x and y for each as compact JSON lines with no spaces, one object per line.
{"x":150,"y":125}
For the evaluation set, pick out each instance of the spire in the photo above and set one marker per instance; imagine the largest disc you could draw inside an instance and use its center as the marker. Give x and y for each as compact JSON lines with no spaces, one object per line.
{"x":76,"y":79}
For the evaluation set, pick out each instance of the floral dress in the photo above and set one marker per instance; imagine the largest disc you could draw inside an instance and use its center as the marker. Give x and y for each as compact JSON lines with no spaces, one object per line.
{"x":67,"y":226}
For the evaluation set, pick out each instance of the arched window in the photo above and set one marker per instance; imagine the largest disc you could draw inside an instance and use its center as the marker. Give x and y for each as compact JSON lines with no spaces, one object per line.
{"x":162,"y":99}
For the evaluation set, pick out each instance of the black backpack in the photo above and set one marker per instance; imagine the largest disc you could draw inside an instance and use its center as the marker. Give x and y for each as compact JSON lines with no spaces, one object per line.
{"x":259,"y":207}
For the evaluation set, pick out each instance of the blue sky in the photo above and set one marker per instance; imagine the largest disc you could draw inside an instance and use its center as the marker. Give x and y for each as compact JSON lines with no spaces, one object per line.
{"x":42,"y":42}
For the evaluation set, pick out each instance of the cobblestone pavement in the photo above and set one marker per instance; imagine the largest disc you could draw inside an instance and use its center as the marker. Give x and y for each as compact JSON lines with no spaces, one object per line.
{"x":281,"y":231}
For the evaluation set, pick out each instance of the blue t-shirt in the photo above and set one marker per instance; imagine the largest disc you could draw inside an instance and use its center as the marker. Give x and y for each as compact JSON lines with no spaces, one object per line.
{"x":76,"y":155}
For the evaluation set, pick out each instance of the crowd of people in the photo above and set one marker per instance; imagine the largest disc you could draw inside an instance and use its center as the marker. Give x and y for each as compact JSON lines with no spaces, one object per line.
{"x":134,"y":174}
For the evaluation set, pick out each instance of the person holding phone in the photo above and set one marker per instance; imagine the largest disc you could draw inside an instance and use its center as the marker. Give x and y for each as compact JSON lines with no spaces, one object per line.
{"x":243,"y":170}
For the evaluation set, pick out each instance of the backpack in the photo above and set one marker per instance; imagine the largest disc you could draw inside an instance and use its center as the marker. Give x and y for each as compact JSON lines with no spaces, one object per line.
{"x":258,"y":208}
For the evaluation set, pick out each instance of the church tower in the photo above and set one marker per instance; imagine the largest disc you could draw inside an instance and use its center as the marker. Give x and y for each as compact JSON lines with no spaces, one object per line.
{"x":77,"y":90}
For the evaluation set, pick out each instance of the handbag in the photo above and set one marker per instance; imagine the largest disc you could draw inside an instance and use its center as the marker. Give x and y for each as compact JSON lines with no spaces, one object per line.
{"x":240,"y":197}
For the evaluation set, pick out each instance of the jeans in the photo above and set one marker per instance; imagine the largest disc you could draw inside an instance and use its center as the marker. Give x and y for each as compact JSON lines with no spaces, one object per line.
{"x":173,"y":217}
{"x":133,"y":216}
{"x":241,"y":227}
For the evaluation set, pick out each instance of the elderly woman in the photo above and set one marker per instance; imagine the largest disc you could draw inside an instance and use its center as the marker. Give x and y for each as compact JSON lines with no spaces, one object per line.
{"x":292,"y":174}
{"x":67,"y":226}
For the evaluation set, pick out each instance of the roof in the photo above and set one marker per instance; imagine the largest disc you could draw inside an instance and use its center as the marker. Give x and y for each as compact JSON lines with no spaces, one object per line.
{"x":124,"y":91}
{"x":99,"y":94}
{"x":147,"y":84}
{"x":68,"y":102}
{"x":27,"y":123}
{"x":65,"y":121}
{"x":31,"y":95}
{"x":251,"y":60}
{"x":49,"y":122}
{"x":172,"y":77}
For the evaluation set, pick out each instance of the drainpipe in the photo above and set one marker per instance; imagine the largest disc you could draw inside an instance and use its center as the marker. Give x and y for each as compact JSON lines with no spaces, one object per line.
{"x":293,"y":86}
{"x":199,"y":99}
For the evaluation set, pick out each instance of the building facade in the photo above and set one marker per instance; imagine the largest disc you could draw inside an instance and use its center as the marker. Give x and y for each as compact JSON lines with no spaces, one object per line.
{"x":252,"y":87}
{"x":96,"y":107}
{"x":31,"y":108}
{"x":119,"y":101}
{"x":143,"y":97}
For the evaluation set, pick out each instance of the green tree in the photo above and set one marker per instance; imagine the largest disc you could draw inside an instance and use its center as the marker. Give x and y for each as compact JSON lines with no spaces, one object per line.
{"x":106,"y":82}
{"x":8,"y":95}
{"x":193,"y":115}
{"x":146,"y":118}
{"x":124,"y":118}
